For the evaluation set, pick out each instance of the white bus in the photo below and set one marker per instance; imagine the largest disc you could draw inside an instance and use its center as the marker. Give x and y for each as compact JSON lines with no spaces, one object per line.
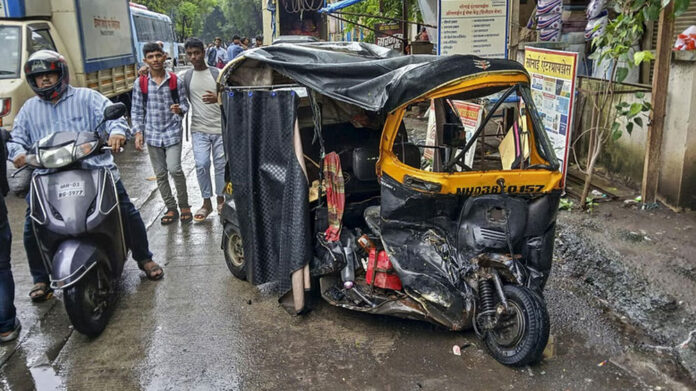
{"x":150,"y":26}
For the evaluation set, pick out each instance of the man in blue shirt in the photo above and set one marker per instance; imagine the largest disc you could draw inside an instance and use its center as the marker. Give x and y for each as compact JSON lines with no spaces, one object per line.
{"x":235,"y":49}
{"x":60,"y":107}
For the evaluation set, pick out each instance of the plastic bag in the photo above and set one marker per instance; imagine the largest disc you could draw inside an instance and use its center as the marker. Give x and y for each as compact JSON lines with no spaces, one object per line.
{"x":595,"y":8}
{"x":686,"y":40}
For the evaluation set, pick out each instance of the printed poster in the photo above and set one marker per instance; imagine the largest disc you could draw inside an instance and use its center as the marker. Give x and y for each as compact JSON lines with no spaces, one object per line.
{"x":553,"y":75}
{"x":478,"y":27}
{"x":470,"y":114}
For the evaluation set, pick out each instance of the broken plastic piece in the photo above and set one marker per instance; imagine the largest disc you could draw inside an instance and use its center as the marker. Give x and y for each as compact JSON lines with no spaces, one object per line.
{"x":457,"y":350}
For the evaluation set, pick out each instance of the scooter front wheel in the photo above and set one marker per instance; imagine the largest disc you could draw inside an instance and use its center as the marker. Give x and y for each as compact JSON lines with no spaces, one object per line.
{"x":87,"y":302}
{"x":521,"y":333}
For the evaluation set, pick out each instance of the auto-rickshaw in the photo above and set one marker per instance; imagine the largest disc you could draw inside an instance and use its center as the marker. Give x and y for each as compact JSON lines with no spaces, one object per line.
{"x":338,"y":185}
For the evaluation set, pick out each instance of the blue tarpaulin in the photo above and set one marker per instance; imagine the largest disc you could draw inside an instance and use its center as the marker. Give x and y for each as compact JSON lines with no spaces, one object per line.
{"x":338,"y":6}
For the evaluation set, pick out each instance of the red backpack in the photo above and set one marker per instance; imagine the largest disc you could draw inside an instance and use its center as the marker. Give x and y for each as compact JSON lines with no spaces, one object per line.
{"x":142,"y":80}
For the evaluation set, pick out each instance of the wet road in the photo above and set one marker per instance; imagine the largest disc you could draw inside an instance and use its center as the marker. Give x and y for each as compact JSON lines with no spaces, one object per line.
{"x":200,"y":328}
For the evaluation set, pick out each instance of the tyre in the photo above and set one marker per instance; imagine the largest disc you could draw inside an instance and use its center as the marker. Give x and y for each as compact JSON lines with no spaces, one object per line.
{"x":521,"y":334}
{"x":234,"y":252}
{"x":88,"y":303}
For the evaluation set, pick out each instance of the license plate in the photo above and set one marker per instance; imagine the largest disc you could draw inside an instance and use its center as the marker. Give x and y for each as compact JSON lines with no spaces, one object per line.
{"x":70,"y":190}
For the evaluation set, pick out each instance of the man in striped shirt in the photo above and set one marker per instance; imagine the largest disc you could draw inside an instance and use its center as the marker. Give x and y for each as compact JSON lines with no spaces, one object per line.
{"x":59,"y":107}
{"x":156,"y":114}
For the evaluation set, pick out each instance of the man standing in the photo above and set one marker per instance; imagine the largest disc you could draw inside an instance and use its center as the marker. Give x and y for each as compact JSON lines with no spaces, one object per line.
{"x":217,"y":55}
{"x":235,"y":49}
{"x":259,"y":41}
{"x":60,"y":107}
{"x":157,"y":112}
{"x":9,"y":324}
{"x":206,"y":127}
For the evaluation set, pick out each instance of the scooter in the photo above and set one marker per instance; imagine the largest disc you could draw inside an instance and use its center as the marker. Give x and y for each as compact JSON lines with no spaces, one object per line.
{"x":77,"y":223}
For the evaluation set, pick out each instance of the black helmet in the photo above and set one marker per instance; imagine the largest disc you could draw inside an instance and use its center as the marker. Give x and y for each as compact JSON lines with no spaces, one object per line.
{"x":47,"y":61}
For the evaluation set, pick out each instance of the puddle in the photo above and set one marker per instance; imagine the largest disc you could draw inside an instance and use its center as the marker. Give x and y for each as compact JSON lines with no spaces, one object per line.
{"x":45,"y":378}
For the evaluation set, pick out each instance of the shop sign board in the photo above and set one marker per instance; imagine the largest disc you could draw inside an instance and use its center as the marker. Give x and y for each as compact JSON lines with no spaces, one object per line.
{"x":553,"y":74}
{"x":478,"y":27}
{"x":387,"y":34}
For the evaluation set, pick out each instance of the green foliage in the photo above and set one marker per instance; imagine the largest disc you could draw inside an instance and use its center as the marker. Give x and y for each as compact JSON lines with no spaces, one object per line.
{"x":631,"y":114}
{"x":243,"y":18}
{"x":390,"y":9}
{"x":213,"y":25}
{"x":187,"y":16}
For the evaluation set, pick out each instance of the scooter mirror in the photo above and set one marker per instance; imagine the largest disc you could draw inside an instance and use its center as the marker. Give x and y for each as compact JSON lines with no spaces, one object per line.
{"x":114,"y":111}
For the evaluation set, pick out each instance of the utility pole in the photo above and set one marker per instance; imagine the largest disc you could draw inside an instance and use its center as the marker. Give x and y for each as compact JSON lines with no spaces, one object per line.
{"x":404,"y":25}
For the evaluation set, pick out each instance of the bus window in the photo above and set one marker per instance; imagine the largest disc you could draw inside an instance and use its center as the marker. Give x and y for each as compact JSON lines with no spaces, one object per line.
{"x":144,"y":28}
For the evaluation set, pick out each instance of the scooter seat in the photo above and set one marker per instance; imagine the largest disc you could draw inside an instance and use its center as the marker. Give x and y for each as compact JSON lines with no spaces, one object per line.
{"x":372,"y":218}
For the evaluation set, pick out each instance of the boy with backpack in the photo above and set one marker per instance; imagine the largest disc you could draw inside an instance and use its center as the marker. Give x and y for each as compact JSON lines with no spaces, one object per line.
{"x":156,"y":113}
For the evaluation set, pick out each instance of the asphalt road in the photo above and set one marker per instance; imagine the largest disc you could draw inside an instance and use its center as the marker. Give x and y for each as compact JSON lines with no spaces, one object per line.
{"x":201,"y":329}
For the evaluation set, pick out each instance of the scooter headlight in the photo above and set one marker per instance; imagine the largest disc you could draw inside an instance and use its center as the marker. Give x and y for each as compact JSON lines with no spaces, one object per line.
{"x":57,"y":157}
{"x":33,"y":160}
{"x":85,"y":149}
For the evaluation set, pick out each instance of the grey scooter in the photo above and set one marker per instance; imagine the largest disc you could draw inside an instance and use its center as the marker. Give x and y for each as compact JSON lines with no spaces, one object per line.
{"x":77,"y":222}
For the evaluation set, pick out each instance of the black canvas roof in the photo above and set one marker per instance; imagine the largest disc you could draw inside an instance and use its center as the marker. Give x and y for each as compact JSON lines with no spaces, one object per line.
{"x":366,"y":75}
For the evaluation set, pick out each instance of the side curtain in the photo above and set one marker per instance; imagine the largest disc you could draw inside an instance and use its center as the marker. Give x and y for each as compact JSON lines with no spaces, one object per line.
{"x":270,"y":187}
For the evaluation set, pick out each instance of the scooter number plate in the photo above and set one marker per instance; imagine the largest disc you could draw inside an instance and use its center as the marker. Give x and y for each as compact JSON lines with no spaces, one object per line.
{"x":70,"y":190}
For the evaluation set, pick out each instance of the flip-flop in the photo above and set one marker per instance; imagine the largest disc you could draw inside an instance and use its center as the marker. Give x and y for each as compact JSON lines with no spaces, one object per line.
{"x":201,"y":214}
{"x":14,"y":333}
{"x":150,"y":272}
{"x":46,"y":292}
{"x":169,"y":217}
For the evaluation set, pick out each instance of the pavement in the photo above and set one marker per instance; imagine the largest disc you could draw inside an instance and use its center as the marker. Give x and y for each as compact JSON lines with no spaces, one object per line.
{"x":201,"y":329}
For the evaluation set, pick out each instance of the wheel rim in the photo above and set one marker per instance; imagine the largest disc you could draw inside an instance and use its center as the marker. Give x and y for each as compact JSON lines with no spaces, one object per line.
{"x":235,"y":249}
{"x":95,"y":298}
{"x":511,"y":326}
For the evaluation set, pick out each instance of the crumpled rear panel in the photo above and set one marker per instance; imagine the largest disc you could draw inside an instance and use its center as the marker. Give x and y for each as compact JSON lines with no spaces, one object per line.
{"x":270,"y":189}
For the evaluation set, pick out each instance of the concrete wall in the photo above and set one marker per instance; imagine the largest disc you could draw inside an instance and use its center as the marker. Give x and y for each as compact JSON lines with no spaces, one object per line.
{"x":623,"y":158}
{"x":677,"y":185}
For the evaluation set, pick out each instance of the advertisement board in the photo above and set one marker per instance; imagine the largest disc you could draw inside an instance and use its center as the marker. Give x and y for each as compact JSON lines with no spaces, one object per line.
{"x":553,"y":74}
{"x":478,"y":27}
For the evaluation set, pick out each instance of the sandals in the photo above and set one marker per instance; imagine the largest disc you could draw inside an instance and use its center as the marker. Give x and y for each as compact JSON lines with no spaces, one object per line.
{"x":186,"y":217}
{"x":201,"y":214}
{"x":12,"y":334}
{"x":169,"y":217}
{"x":150,"y":272}
{"x":42,"y":290}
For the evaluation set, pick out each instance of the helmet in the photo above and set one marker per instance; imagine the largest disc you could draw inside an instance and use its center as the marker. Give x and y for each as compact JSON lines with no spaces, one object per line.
{"x":47,"y":61}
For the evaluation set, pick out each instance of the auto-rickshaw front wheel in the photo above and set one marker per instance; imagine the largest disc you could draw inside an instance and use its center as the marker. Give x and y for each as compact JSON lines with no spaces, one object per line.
{"x":234,"y":252}
{"x":521,"y":333}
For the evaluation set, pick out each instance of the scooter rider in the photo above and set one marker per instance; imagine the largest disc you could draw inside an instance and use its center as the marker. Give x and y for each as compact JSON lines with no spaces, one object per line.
{"x":61,"y":107}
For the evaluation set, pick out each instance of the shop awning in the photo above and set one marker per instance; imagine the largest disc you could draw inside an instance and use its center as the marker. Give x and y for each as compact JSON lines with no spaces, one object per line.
{"x":338,"y":6}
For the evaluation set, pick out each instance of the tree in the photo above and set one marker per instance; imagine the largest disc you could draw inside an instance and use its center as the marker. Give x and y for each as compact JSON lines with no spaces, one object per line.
{"x":390,"y":9}
{"x":187,"y":16}
{"x":213,"y":25}
{"x":243,"y":17}
{"x":615,"y":45}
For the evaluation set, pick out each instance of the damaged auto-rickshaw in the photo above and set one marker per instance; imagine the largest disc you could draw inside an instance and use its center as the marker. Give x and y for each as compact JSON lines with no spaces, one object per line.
{"x":338,"y":180}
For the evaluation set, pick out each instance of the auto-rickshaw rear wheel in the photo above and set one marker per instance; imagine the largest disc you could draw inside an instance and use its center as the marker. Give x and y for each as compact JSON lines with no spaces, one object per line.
{"x":234,"y":252}
{"x":521,"y":334}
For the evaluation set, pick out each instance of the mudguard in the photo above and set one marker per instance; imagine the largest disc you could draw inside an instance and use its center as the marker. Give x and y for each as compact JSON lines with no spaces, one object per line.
{"x":73,"y":260}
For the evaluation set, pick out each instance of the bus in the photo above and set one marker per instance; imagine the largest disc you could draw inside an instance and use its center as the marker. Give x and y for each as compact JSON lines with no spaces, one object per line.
{"x":150,"y":26}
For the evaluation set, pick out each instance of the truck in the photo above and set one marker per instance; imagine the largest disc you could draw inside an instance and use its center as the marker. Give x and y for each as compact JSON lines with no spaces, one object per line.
{"x":94,"y":36}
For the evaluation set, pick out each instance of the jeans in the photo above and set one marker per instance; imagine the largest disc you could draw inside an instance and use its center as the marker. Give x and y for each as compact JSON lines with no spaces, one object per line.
{"x":134,"y":232}
{"x":167,"y":160}
{"x":7,"y":288}
{"x":203,"y":145}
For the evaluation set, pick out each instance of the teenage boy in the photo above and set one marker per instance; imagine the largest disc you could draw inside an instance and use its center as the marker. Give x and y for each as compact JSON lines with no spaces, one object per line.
{"x":156,"y":114}
{"x":206,"y":126}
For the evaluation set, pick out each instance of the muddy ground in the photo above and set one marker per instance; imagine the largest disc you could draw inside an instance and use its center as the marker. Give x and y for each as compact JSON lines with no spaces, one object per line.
{"x":638,"y":265}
